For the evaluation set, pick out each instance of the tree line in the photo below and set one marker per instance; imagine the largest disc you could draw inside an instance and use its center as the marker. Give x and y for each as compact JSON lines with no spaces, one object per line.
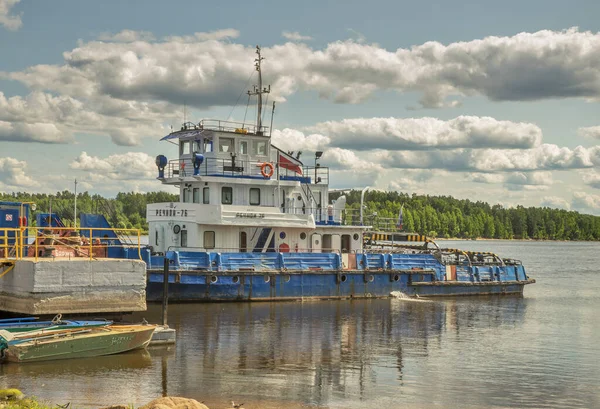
{"x":446,"y":217}
{"x":126,"y":210}
{"x":435,"y":216}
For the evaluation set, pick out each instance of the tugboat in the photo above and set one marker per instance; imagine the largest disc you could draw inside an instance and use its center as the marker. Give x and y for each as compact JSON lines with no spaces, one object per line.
{"x":255,"y":223}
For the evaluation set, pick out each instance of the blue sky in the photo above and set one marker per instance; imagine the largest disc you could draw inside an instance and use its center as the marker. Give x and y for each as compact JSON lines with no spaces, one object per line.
{"x":494,"y":101}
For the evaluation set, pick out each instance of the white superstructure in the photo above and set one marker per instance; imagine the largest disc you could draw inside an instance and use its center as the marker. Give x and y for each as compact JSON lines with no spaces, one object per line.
{"x":239,"y":193}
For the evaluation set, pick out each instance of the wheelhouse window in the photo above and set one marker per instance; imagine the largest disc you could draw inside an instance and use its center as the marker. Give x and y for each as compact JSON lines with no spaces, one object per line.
{"x":225,"y":144}
{"x":206,"y":195}
{"x":208,"y":145}
{"x":243,"y":147}
{"x":259,"y":148}
{"x":209,"y":239}
{"x":184,"y":147}
{"x":226,"y":195}
{"x":254,"y":196}
{"x":186,"y":195}
{"x":197,"y":146}
{"x":196,"y":195}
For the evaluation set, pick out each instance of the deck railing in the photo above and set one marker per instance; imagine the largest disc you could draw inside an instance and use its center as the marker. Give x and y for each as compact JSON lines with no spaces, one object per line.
{"x":244,"y":169}
{"x":41,"y":242}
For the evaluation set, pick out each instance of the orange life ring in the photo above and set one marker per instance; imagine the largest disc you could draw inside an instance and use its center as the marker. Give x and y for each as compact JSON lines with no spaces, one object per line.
{"x":263,"y":169}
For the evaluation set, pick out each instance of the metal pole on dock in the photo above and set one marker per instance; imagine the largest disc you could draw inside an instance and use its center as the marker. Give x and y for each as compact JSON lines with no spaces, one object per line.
{"x":75,"y":210}
{"x":165,"y":301}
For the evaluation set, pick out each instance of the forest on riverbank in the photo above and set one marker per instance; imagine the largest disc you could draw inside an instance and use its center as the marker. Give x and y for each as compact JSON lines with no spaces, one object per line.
{"x":436,"y":216}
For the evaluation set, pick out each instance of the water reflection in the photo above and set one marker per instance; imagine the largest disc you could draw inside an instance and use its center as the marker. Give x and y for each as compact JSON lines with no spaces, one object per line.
{"x":540,"y":351}
{"x":130,"y":361}
{"x":318,"y":352}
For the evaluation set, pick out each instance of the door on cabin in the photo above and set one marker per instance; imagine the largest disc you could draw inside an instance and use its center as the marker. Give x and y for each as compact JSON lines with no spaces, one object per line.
{"x":243,"y":242}
{"x":315,"y":243}
{"x":346,"y":240}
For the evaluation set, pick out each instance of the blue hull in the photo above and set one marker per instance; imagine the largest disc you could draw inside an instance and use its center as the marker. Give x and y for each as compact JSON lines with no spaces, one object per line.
{"x":187,"y":286}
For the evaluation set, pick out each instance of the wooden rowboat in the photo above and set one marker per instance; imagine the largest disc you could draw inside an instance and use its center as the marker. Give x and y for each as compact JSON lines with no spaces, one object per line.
{"x":26,"y":324}
{"x":47,"y":345}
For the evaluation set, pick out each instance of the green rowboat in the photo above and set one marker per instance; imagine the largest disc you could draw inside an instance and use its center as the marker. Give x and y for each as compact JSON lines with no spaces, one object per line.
{"x":74,"y":343}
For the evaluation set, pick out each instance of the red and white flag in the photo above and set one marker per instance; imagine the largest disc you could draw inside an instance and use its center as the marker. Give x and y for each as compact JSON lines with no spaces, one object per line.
{"x":290,"y":163}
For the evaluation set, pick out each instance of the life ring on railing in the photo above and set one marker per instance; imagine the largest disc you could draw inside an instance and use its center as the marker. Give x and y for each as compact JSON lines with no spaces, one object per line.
{"x":266,"y":169}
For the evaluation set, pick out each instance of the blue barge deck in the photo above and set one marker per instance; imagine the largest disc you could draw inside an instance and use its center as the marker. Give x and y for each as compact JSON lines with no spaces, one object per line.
{"x":207,"y":276}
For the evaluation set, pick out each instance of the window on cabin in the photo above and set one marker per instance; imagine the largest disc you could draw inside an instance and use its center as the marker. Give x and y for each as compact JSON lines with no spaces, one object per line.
{"x":197,"y":146}
{"x":226,"y":195}
{"x":196,"y":195}
{"x":225,"y":144}
{"x":259,"y":148}
{"x":243,"y":147}
{"x":184,"y":147}
{"x":254,"y":196}
{"x":186,"y":195}
{"x":208,"y":145}
{"x":206,"y":195}
{"x":209,"y":239}
{"x":184,"y":238}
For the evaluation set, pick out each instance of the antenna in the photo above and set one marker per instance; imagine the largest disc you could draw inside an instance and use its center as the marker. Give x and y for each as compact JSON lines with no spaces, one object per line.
{"x":258,"y":91}
{"x":272,"y":114}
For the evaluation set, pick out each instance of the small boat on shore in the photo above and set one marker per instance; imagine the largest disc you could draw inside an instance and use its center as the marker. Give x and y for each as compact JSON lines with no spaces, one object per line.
{"x":44,"y":345}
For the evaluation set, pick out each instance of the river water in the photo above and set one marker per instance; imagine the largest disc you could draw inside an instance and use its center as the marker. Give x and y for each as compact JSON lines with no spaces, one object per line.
{"x":537,"y":351}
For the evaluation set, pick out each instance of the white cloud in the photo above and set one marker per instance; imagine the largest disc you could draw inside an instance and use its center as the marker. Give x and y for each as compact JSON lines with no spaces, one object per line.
{"x":291,"y":139}
{"x":9,"y":21}
{"x":127,"y":36}
{"x":515,"y":181}
{"x":543,"y":157}
{"x":591,"y":178}
{"x":590,"y":132}
{"x":127,"y":166}
{"x":216,"y":35}
{"x":42,"y":117}
{"x":13,"y":174}
{"x":206,"y":69}
{"x":586,"y":202}
{"x":338,"y":158}
{"x":487,"y":178}
{"x":426,"y":133}
{"x":295,"y":36}
{"x":555,"y":202}
{"x":32,"y":132}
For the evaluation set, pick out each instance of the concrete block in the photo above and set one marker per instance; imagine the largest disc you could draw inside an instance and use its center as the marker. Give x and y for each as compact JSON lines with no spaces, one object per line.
{"x":47,"y":274}
{"x":52,"y":286}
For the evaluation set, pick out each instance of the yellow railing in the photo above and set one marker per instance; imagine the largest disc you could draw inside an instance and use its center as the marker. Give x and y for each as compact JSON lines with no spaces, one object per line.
{"x":36,"y":242}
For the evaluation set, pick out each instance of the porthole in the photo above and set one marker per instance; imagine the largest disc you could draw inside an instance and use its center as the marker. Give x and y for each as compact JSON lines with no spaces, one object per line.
{"x":176,"y":229}
{"x":235,"y":279}
{"x":282,"y":235}
{"x":213,"y":279}
{"x":370,"y":278}
{"x":286,"y":279}
{"x":302,"y":236}
{"x":267,"y":278}
{"x":396,"y":277}
{"x":343,"y":278}
{"x":355,"y":237}
{"x":299,"y":198}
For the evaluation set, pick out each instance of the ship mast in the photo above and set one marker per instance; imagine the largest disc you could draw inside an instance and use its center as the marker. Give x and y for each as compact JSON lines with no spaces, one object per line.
{"x":258,"y":91}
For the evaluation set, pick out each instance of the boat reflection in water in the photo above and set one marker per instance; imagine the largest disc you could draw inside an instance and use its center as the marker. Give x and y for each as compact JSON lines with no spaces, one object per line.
{"x":361,"y":353}
{"x":325,"y":352}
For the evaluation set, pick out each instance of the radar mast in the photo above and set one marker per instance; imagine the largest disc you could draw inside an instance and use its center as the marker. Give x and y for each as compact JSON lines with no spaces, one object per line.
{"x":258,"y":91}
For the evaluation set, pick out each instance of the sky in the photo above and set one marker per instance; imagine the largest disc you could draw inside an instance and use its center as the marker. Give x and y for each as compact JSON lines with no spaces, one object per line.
{"x":492,"y":101}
